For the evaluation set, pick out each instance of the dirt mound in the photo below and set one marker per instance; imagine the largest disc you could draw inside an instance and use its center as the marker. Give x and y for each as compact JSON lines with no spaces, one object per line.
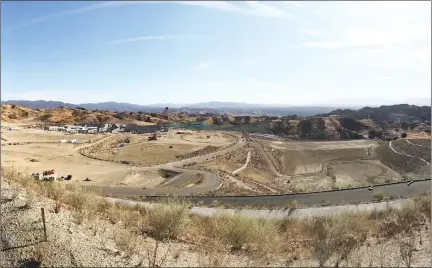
{"x":12,"y":113}
{"x":206,"y":150}
{"x":105,"y":146}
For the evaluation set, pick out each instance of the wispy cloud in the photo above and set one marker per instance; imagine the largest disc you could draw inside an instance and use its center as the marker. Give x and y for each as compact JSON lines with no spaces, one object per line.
{"x":148,"y":38}
{"x":202,"y":66}
{"x":325,"y":45}
{"x":311,"y":32}
{"x":70,"y":12}
{"x":294,"y":3}
{"x":265,"y":10}
{"x":250,"y":8}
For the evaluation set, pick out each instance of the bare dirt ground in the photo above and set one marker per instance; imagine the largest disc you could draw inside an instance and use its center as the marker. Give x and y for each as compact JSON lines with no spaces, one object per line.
{"x":46,"y":152}
{"x":303,"y":164}
{"x":167,"y":148}
{"x":297,"y":162}
{"x":38,"y":135}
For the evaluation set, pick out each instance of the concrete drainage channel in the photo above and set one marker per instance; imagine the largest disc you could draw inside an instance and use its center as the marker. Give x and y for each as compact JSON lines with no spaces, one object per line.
{"x":277,"y":213}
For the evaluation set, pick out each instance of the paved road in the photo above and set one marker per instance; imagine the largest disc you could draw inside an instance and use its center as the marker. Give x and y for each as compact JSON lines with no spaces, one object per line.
{"x":335,"y":197}
{"x":212,"y":182}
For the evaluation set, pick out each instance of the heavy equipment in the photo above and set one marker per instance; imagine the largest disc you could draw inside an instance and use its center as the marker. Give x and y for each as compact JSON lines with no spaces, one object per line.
{"x":162,"y":119}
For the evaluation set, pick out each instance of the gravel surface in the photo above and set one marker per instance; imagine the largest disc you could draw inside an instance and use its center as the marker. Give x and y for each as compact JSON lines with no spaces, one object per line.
{"x":93,"y":244}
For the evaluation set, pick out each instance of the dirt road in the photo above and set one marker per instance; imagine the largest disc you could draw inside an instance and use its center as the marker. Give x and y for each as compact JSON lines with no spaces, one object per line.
{"x":421,"y":159}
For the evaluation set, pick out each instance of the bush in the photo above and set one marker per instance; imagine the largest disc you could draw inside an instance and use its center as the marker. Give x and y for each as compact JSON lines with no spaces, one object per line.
{"x":126,"y":242}
{"x":54,"y":190}
{"x":238,"y":231}
{"x":168,"y":219}
{"x":377,"y":196}
{"x":404,"y":135}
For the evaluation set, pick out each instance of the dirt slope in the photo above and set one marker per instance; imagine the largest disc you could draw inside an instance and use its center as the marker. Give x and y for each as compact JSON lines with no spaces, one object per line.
{"x":321,"y":128}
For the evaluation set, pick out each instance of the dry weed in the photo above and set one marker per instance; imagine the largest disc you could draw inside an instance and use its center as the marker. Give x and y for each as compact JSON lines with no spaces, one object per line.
{"x":213,"y":256}
{"x":154,"y":260}
{"x":126,"y":242}
{"x":54,"y":190}
{"x":168,"y":219}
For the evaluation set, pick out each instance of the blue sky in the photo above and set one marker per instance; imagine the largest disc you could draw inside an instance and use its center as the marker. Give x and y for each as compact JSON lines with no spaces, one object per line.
{"x":293,"y":53}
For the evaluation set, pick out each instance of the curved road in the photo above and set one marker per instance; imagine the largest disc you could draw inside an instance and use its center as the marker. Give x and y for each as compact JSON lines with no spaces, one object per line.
{"x":212,"y":182}
{"x":333,"y":197}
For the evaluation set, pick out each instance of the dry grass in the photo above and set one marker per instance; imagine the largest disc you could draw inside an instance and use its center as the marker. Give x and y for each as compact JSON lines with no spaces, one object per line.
{"x":331,"y":240}
{"x":169,"y":219}
{"x":126,"y":242}
{"x":154,"y":259}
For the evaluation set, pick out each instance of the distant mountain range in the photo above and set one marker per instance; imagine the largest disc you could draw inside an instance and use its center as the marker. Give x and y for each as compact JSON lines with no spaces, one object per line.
{"x":204,"y":107}
{"x":403,"y":112}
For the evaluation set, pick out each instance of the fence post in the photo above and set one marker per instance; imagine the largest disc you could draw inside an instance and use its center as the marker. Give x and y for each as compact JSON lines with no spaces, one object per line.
{"x":44,"y":226}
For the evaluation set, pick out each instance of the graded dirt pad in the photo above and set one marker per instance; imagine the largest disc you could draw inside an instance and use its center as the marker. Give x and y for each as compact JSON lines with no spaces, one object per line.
{"x":423,"y":142}
{"x":361,"y":173}
{"x":400,"y":163}
{"x":254,"y":174}
{"x":403,"y":146}
{"x":38,"y":135}
{"x":310,"y":161}
{"x":321,"y":145}
{"x":206,"y":150}
{"x":66,"y":159}
{"x":140,"y":151}
{"x":213,"y":137}
{"x":62,"y":158}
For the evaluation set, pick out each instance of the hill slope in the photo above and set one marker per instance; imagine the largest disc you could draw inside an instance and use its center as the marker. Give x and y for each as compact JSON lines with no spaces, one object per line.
{"x":404,"y":112}
{"x":321,"y":128}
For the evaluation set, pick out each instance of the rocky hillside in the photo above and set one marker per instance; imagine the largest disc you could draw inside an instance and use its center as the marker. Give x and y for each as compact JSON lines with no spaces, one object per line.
{"x":65,"y":115}
{"x":403,"y":112}
{"x":13,"y":113}
{"x":322,"y":128}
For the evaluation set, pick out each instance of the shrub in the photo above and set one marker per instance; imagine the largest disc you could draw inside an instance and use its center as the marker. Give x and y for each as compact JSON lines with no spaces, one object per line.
{"x":126,"y":242}
{"x":378,"y":196}
{"x":54,"y":190}
{"x":168,"y":219}
{"x":238,"y":230}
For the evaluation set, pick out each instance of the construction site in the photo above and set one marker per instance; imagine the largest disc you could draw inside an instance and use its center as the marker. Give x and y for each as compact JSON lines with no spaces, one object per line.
{"x":102,"y":186}
{"x":140,"y":161}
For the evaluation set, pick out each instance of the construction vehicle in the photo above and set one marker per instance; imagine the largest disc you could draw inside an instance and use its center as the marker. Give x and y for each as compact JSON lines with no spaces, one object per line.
{"x":164,"y":117}
{"x":153,"y":137}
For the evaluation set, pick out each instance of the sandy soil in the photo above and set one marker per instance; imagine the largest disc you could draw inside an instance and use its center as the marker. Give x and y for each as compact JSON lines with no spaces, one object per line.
{"x":362,"y":172}
{"x":66,"y":159}
{"x":95,"y":241}
{"x":298,"y":162}
{"x":38,"y":135}
{"x":321,"y":145}
{"x":166,"y":149}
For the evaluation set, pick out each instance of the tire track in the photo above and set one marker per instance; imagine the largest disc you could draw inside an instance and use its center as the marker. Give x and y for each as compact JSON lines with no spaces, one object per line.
{"x":417,"y":144}
{"x":421,"y":159}
{"x":245,"y":165}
